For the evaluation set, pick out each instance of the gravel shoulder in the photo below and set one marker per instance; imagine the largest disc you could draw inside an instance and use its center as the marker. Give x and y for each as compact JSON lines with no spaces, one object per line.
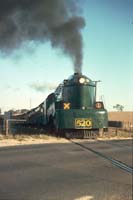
{"x":13,"y":140}
{"x":27,"y":140}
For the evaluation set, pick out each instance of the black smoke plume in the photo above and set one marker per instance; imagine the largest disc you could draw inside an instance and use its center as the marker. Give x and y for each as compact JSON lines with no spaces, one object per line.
{"x":41,"y":20}
{"x":41,"y":87}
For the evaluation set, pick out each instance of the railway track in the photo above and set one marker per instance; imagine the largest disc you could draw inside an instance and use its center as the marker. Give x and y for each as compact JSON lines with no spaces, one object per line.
{"x":113,"y":161}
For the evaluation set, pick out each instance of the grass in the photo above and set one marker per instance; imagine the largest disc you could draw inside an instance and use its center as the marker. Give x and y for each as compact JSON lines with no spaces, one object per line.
{"x":23,"y":137}
{"x":117,"y":133}
{"x":112,"y":133}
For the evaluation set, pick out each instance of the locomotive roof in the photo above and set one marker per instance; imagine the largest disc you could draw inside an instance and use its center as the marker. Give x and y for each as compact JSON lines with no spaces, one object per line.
{"x":78,"y":78}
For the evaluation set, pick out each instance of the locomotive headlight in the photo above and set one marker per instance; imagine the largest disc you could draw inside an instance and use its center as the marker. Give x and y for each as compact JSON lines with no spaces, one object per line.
{"x":99,"y":105}
{"x":81,"y":80}
{"x":83,"y":107}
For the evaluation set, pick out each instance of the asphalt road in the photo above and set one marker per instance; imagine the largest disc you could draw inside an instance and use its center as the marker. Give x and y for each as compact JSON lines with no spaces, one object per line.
{"x":118,"y":149}
{"x":62,"y":172}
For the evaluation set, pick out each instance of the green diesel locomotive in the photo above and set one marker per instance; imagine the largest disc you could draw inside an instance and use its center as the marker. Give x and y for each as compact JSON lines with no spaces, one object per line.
{"x":72,"y":110}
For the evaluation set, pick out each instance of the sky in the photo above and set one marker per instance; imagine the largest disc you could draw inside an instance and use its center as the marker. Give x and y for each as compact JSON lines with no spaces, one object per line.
{"x":30,"y":72}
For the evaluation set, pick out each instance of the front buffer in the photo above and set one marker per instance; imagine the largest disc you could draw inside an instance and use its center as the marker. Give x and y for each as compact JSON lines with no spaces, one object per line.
{"x":77,"y":123}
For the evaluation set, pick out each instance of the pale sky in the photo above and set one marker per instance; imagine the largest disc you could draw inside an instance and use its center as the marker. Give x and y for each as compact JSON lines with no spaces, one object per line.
{"x":107,"y":56}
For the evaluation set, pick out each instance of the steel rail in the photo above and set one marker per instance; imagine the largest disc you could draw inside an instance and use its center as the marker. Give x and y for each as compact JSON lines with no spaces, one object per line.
{"x":115,"y":162}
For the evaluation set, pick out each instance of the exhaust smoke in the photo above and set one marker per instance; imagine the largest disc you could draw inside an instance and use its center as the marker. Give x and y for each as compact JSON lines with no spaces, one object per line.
{"x":40,"y":21}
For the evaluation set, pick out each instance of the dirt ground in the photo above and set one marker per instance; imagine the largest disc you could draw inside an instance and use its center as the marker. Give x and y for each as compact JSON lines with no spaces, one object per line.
{"x":27,"y":140}
{"x":13,"y":140}
{"x":123,"y":116}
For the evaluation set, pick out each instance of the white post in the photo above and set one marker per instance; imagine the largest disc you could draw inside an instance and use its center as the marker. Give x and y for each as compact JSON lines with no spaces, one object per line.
{"x":7,"y":127}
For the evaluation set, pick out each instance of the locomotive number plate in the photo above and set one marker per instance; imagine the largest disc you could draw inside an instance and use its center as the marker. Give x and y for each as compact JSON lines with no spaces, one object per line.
{"x":83,"y":123}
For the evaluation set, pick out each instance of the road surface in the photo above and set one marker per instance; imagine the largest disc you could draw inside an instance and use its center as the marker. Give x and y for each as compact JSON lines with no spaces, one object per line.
{"x":65,"y":172}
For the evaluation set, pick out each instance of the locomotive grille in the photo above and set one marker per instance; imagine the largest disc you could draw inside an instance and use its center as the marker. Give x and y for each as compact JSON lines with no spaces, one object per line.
{"x":80,"y":134}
